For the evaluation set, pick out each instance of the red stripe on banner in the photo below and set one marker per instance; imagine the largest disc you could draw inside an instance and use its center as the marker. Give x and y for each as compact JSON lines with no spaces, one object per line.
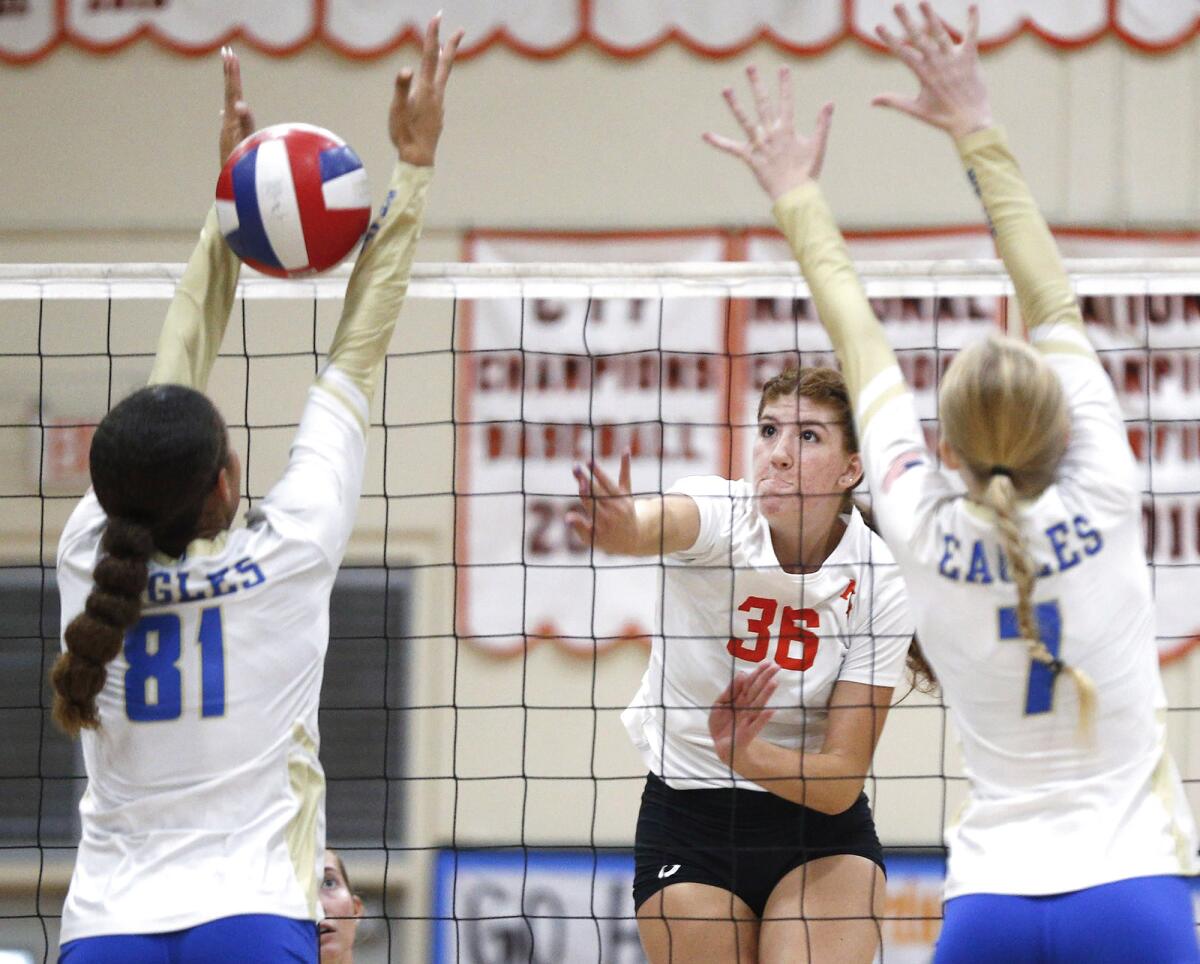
{"x":464,"y":381}
{"x":737,"y":377}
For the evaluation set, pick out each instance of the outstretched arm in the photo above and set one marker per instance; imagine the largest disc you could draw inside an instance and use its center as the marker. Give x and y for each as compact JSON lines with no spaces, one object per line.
{"x":786,"y":165}
{"x":611,"y":519}
{"x":321,"y":487}
{"x":380,"y":277}
{"x":196,"y":320}
{"x":954,"y":98}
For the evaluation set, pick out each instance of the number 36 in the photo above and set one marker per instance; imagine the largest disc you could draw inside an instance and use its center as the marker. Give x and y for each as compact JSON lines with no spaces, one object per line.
{"x":794,"y":627}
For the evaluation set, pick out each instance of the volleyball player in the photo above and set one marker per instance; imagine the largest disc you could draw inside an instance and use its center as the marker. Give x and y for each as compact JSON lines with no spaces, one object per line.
{"x":1076,"y":837}
{"x":343,"y":910}
{"x":192,"y":654}
{"x":777,"y":571}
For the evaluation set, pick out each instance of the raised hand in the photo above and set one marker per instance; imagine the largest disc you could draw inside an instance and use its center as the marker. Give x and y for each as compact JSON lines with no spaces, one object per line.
{"x":779,"y":156}
{"x":606,"y":517}
{"x":415,"y":117}
{"x":740,"y":712}
{"x":237,"y":122}
{"x":953,"y":95}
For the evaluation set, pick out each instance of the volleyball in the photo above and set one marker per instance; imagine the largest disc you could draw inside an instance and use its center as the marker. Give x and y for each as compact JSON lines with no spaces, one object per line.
{"x":293,"y":200}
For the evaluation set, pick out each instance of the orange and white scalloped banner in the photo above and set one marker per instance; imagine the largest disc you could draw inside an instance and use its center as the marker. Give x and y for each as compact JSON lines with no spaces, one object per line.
{"x":30,"y":29}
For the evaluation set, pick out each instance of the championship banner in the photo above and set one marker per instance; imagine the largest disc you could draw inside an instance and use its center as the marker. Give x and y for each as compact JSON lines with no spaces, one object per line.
{"x":1150,"y":345}
{"x":30,"y":29}
{"x":515,"y":481}
{"x":545,"y":384}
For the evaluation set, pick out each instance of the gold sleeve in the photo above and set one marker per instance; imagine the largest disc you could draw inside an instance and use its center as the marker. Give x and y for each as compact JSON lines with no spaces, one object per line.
{"x":195,"y":324}
{"x":857,"y":336}
{"x":379,"y":281}
{"x":1022,"y":237}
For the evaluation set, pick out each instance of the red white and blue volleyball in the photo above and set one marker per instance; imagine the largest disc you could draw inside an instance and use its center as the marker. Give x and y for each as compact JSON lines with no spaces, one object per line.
{"x":293,"y":200}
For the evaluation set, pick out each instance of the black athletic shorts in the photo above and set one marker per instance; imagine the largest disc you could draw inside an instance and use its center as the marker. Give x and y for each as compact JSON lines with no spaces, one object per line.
{"x":744,"y":841}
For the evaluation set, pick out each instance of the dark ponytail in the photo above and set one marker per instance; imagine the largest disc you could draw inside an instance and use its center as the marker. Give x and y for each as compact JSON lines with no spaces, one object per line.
{"x":154,"y":460}
{"x":94,"y":637}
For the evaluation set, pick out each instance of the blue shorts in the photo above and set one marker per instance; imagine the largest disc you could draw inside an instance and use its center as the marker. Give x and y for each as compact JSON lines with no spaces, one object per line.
{"x":1140,"y":919}
{"x":246,"y":938}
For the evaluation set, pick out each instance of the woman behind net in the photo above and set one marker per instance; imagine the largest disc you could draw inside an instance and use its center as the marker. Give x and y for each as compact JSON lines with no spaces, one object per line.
{"x":778,"y":572}
{"x":343,"y":910}
{"x":1031,"y":590}
{"x":192,"y":651}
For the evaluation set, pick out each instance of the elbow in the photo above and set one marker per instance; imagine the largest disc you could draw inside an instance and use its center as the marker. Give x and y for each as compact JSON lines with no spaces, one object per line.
{"x":838,"y":797}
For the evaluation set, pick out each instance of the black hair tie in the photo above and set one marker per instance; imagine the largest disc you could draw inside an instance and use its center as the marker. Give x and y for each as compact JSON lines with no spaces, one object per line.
{"x":1001,"y":470}
{"x":1055,"y":666}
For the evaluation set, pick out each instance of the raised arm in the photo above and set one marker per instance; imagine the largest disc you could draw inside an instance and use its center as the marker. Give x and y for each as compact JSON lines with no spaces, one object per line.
{"x":611,"y":519}
{"x":954,"y":98}
{"x":196,"y":320}
{"x":786,"y":165}
{"x":380,"y":278}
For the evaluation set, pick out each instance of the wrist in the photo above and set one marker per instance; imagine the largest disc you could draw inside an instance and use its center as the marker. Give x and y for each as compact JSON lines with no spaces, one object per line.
{"x":747,"y":759}
{"x":416,"y":157}
{"x":966,"y":126}
{"x":784,"y":186}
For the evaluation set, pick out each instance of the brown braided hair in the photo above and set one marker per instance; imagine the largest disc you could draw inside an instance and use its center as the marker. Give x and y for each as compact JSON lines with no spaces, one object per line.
{"x":154,"y":460}
{"x":1003,"y":412}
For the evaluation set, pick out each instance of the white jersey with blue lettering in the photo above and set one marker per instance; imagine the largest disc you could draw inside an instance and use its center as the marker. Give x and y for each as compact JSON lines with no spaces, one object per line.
{"x":1047,"y":813}
{"x":205,"y":796}
{"x":726,"y":605}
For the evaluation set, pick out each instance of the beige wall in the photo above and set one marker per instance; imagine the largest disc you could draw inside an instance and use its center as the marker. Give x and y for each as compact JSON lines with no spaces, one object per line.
{"x":113,"y":159}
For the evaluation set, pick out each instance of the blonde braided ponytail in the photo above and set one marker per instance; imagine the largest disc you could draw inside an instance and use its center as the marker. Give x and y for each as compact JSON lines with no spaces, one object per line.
{"x":1000,"y":495}
{"x":1003,"y":413}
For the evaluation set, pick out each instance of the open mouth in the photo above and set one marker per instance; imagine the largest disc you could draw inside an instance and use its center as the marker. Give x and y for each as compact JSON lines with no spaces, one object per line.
{"x":324,"y":928}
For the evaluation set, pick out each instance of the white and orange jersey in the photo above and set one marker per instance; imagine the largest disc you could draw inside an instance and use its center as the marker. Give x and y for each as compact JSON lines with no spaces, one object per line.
{"x":205,"y":796}
{"x":726,"y":605}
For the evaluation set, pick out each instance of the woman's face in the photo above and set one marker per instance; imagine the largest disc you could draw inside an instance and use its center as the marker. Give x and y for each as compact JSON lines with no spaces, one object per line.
{"x":342,"y":913}
{"x":800,"y":455}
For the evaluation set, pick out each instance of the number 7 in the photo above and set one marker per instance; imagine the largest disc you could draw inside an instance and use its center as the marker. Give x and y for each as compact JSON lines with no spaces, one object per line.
{"x":1039,"y":694}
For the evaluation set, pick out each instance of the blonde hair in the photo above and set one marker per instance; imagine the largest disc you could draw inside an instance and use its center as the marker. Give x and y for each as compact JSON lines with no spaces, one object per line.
{"x":1003,"y":413}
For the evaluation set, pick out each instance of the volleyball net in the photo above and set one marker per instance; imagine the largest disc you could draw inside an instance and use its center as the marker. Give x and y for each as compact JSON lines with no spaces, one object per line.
{"x":481,"y":787}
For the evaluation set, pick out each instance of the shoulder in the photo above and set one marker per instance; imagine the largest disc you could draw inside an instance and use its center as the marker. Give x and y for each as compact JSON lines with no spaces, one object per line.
{"x":707,"y":485}
{"x":83,"y":529}
{"x":272,"y":522}
{"x":862,"y":543}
